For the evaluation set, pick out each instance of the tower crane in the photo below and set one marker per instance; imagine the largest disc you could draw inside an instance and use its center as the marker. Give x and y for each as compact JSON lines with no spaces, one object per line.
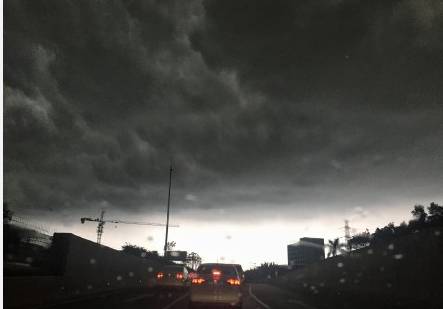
{"x":101,"y":223}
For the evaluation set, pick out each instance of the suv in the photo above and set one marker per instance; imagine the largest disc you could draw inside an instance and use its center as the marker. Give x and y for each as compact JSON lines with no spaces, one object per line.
{"x":216,"y":283}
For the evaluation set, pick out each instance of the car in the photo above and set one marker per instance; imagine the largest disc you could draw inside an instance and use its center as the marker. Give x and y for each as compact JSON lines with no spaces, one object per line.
{"x":172,"y":276}
{"x":216,"y":283}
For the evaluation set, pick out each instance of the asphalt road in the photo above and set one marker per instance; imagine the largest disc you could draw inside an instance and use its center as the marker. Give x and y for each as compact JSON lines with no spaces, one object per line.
{"x":255,"y":296}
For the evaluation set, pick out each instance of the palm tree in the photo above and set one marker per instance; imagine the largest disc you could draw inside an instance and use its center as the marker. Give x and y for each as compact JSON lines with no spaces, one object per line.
{"x":334,"y":247}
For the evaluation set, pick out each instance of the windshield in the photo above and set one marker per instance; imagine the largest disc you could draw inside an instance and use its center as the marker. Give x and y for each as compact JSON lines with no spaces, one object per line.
{"x":227,"y":270}
{"x":256,"y":154}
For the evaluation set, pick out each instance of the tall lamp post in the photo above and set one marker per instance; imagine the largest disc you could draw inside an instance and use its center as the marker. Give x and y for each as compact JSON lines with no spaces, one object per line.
{"x":167,"y":210}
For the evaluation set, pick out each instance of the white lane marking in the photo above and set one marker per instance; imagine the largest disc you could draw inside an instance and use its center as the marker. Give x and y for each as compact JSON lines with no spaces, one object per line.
{"x":257,"y":300}
{"x":175,"y":301}
{"x":130,"y":300}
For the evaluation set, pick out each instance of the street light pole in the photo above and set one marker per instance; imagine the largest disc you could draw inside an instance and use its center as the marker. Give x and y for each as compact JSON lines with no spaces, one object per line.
{"x":167,"y":211}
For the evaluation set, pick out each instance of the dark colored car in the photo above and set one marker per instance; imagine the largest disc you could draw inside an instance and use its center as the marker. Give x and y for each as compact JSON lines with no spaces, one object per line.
{"x":216,"y":284}
{"x":173,"y":276}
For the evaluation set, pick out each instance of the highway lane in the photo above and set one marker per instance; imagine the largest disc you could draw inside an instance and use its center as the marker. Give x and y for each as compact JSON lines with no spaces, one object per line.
{"x":256,"y":296}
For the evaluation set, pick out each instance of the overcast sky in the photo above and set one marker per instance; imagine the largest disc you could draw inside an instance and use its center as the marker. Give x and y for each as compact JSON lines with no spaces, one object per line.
{"x":270,"y":110}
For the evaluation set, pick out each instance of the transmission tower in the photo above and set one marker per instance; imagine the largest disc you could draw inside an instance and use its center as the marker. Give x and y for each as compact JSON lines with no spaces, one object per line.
{"x":347,"y":231}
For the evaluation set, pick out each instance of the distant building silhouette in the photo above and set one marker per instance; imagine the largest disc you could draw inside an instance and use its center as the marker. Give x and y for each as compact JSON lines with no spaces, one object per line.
{"x":306,"y":251}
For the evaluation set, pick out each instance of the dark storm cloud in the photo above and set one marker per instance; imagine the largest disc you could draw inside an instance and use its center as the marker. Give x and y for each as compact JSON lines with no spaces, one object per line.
{"x":257,"y":102}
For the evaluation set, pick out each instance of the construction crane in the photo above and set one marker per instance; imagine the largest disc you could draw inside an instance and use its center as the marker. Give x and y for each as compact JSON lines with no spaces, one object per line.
{"x":101,"y":223}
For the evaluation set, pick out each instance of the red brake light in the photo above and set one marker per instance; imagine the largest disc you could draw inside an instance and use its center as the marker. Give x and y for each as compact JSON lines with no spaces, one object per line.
{"x":216,"y":272}
{"x":179,"y":276}
{"x":233,"y":281}
{"x":198,"y":280}
{"x":160,"y":275}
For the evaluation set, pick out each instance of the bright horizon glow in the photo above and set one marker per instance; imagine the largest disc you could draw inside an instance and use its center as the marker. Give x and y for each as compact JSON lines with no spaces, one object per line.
{"x":249,"y":244}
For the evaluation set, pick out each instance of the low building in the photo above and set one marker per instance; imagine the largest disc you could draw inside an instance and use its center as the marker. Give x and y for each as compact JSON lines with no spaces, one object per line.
{"x":306,"y":251}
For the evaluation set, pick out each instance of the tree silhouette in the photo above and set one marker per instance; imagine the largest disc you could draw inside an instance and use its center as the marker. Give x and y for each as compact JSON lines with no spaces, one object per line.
{"x":359,"y":240}
{"x":193,"y":260}
{"x":170,"y":245}
{"x":139,"y":251}
{"x":419,"y":213}
{"x":334,"y":247}
{"x":435,"y":217}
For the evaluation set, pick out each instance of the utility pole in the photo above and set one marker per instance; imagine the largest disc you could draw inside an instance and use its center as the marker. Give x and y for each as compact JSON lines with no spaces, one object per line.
{"x":167,"y":210}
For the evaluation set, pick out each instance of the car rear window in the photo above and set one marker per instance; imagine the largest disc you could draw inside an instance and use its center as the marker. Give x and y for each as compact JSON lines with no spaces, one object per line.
{"x":173,"y":268}
{"x":225,"y":269}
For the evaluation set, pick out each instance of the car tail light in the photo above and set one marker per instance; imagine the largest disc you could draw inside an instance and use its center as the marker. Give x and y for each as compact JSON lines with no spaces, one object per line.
{"x":179,"y":276}
{"x":198,"y":281}
{"x":216,"y":274}
{"x":233,"y":281}
{"x":160,"y":275}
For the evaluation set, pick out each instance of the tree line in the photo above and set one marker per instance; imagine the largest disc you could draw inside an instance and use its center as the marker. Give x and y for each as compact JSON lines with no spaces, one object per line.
{"x":422,"y":218}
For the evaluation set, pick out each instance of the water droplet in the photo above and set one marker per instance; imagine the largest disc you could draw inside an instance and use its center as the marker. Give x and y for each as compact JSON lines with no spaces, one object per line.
{"x":322,"y":284}
{"x":370,"y":251}
{"x":92,"y":261}
{"x":359,"y":274}
{"x":119,"y":278}
{"x":169,"y":295}
{"x":437,"y":233}
{"x":29,"y":259}
{"x":356,"y":281}
{"x":398,"y":256}
{"x":305,"y":285}
{"x":150,"y":269}
{"x":108,"y":284}
{"x":388,"y":285}
{"x":342,"y":280}
{"x":340,"y":265}
{"x":382,"y":269}
{"x":391,"y":247}
{"x":89,"y":287}
{"x":131,"y":274}
{"x":143,"y":254}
